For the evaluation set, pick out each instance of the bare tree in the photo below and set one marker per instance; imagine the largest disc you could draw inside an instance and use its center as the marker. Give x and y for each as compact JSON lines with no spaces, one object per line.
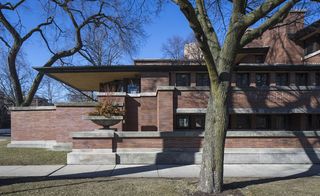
{"x":219,"y":58}
{"x":101,"y":48}
{"x":24,"y":73}
{"x":62,"y":31}
{"x":173,"y":47}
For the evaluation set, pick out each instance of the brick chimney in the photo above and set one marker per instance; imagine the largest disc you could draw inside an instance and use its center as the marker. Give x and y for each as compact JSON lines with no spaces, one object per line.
{"x":294,"y":21}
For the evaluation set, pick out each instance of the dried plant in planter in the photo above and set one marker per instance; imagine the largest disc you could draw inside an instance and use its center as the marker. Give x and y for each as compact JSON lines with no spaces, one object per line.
{"x":107,"y":109}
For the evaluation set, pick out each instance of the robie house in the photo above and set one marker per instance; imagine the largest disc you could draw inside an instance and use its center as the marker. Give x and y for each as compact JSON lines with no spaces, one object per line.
{"x":274,"y":107}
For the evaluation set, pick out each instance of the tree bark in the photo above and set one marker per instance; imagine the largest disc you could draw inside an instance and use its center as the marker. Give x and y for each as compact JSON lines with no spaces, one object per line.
{"x":211,"y":174}
{"x":206,"y":183}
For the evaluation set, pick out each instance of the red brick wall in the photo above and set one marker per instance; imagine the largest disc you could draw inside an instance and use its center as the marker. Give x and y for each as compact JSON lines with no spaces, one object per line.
{"x":260,"y":99}
{"x":192,"y":99}
{"x":282,"y":49}
{"x":150,"y":81}
{"x":148,"y":114}
{"x":33,"y":125}
{"x":56,"y":124}
{"x":69,"y":119}
{"x":165,"y":109}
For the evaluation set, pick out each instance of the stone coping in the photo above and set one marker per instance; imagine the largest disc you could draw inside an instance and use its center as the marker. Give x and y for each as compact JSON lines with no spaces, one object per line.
{"x":33,"y":108}
{"x":77,"y":104}
{"x":155,"y":134}
{"x":276,"y":88}
{"x":297,"y":110}
{"x":206,"y":88}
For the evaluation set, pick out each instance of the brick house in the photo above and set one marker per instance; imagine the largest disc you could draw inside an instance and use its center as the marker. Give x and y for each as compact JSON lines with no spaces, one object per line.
{"x":274,"y":106}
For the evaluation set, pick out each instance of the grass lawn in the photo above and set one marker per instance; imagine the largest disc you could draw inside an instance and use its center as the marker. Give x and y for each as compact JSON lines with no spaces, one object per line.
{"x":159,"y":186}
{"x":30,"y":156}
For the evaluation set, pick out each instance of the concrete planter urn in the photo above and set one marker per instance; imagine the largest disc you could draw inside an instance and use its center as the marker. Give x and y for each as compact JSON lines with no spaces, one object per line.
{"x":106,"y":122}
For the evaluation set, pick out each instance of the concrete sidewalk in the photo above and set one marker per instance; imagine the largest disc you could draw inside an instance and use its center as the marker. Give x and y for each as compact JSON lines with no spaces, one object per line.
{"x":168,"y":171}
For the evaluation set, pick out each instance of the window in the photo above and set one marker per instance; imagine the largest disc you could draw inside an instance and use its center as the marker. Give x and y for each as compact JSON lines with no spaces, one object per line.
{"x":133,"y":86}
{"x":280,"y":122}
{"x":183,"y":121}
{"x":301,"y":79}
{"x":262,"y":122}
{"x":202,"y":79}
{"x":318,"y":79}
{"x":282,"y":79}
{"x":182,"y":79}
{"x":191,"y":121}
{"x":199,"y":121}
{"x":262,"y":79}
{"x":243,"y":121}
{"x":243,"y":80}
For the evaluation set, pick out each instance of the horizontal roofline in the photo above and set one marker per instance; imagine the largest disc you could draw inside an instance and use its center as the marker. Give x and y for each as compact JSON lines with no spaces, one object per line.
{"x":159,"y":68}
{"x":121,"y":68}
{"x":277,"y":67}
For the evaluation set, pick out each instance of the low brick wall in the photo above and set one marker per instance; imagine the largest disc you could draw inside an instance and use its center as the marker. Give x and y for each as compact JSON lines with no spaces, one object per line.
{"x":193,"y":140}
{"x":185,"y":147}
{"x":51,"y":122}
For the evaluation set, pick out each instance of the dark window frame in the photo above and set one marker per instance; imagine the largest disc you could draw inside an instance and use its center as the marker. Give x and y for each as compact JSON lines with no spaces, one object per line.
{"x":178,"y":124}
{"x":241,"y":118}
{"x":299,"y":82}
{"x":240,"y":81}
{"x":263,"y":82}
{"x":191,"y":121}
{"x":280,"y":80}
{"x":268,"y":121}
{"x":317,"y":78}
{"x":204,"y":80}
{"x":179,"y":82}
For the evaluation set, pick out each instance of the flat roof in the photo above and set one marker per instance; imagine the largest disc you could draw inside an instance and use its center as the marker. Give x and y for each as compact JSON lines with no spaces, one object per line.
{"x":89,"y":78}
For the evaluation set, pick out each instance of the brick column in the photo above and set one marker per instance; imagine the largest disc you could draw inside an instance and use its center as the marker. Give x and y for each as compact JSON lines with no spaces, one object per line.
{"x":165,"y":110}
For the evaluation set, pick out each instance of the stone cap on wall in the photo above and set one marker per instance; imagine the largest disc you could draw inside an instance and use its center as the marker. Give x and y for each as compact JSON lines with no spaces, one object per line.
{"x":33,"y":108}
{"x":155,"y":134}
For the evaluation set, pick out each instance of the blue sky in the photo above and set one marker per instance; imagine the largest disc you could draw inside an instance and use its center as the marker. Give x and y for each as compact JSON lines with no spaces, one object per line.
{"x":168,"y":23}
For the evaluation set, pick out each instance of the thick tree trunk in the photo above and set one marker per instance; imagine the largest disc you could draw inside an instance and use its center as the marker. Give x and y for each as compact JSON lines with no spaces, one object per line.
{"x":211,"y":174}
{"x":206,"y":183}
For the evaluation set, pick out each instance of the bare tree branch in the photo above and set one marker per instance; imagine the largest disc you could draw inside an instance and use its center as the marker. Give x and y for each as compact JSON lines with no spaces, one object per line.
{"x":9,"y":6}
{"x":190,"y":14}
{"x":205,"y":23}
{"x":261,"y":11}
{"x":276,"y":18}
{"x":37,"y":29}
{"x":5,"y":42}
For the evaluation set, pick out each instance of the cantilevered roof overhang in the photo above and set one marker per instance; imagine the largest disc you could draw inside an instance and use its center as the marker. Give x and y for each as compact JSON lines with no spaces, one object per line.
{"x":88,"y":78}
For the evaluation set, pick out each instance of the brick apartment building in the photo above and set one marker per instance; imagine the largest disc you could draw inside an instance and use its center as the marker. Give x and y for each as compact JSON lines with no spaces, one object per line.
{"x":274,"y":105}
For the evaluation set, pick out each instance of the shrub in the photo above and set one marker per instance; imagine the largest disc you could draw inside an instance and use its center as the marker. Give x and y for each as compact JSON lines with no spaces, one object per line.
{"x":107,"y":109}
